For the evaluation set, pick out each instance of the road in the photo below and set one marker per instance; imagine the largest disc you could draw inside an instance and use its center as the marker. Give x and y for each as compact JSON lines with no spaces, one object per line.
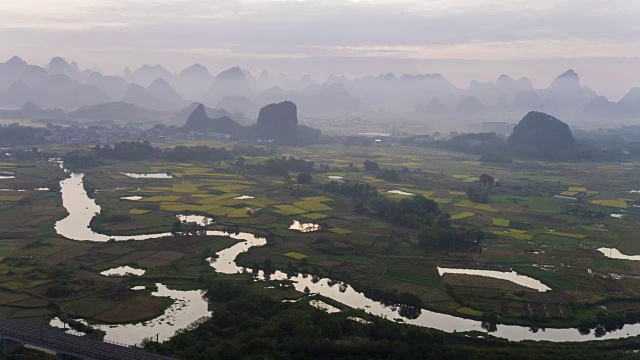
{"x":64,"y":343}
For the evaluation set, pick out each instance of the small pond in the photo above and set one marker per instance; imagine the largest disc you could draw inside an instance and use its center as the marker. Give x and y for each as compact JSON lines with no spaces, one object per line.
{"x":399,"y":192}
{"x":512,"y":276}
{"x":149,"y":176}
{"x":304,"y":227}
{"x":614,"y":253}
{"x":123,"y":271}
{"x":131,"y":198}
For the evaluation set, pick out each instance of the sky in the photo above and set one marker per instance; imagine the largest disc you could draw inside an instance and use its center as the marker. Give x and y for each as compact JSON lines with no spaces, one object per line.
{"x":463,"y":40}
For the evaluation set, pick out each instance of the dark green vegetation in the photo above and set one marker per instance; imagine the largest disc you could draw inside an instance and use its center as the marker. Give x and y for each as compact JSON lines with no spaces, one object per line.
{"x":252,"y":324}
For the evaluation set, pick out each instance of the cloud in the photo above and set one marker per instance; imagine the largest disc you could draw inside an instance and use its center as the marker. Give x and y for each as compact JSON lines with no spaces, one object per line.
{"x":183,"y":31}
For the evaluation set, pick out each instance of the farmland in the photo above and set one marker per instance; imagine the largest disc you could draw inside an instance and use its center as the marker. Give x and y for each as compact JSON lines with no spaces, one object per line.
{"x":526,"y":229}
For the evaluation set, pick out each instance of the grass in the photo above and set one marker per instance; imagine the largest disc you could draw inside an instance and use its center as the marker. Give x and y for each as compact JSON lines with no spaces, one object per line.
{"x":513,"y":233}
{"x":610,"y":264}
{"x":161,"y":198}
{"x":620,"y":204}
{"x":569,"y":193}
{"x":501,"y":222}
{"x":578,"y":189}
{"x":551,"y":279}
{"x":290,"y":210}
{"x":315,"y":216}
{"x":377,"y":225}
{"x":470,"y":311}
{"x":138,"y":211}
{"x":462,"y":215}
{"x":560,"y":243}
{"x":567,"y":235}
{"x":420,"y":279}
{"x":11,"y":198}
{"x":319,"y":199}
{"x":470,"y":204}
{"x":239,"y":213}
{"x":296,"y":255}
{"x":340,"y":231}
{"x":312,"y":206}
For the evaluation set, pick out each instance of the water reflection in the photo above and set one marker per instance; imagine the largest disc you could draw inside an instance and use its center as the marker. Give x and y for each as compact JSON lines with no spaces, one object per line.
{"x":123,"y":271}
{"x":399,"y":192}
{"x":190,"y":306}
{"x":187,"y":308}
{"x":149,"y":176}
{"x":512,"y":276}
{"x":304,"y":227}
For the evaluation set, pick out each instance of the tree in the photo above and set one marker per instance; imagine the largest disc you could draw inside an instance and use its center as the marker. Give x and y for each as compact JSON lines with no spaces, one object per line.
{"x":240,"y":161}
{"x":371,"y":166}
{"x":478,"y":195}
{"x":486,"y":180}
{"x":176,"y":229}
{"x":304,"y":178}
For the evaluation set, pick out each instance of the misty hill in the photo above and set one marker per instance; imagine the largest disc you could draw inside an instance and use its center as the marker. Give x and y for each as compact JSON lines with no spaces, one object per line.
{"x":118,"y":111}
{"x":193,"y":81}
{"x":147,"y":74}
{"x":238,"y":104}
{"x":145,"y":98}
{"x":231,"y":82}
{"x":16,"y":69}
{"x":316,"y":100}
{"x":112,"y":86}
{"x":58,"y":65}
{"x":162,"y":90}
{"x":53,"y":91}
{"x":199,"y":121}
{"x":31,"y":111}
{"x":180,"y":118}
{"x":540,"y":135}
{"x":470,"y":105}
{"x":568,"y":94}
{"x":276,"y":122}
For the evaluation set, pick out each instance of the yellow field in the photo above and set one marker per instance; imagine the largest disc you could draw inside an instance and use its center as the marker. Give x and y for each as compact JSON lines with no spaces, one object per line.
{"x":462,"y":215}
{"x":315,"y":216}
{"x":312,"y":206}
{"x":138,"y":211}
{"x":340,"y":231}
{"x":289,"y":210}
{"x":621,"y":204}
{"x":501,"y":222}
{"x":296,"y":255}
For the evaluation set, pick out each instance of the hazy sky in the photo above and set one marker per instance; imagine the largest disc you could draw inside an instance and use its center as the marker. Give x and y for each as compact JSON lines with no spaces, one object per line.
{"x":462,"y":39}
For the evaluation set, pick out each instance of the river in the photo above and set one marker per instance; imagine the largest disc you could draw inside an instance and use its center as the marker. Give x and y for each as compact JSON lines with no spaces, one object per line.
{"x":81,"y":210}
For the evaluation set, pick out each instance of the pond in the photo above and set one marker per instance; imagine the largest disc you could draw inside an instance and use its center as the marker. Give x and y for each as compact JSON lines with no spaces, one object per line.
{"x":243,"y":197}
{"x":304,"y":227}
{"x":149,"y":176}
{"x":399,"y":192}
{"x":131,"y":198}
{"x":321,"y":305}
{"x":614,"y":253}
{"x":187,"y":308}
{"x":81,"y":209}
{"x":123,"y":271}
{"x":198,"y":219}
{"x":512,"y":276}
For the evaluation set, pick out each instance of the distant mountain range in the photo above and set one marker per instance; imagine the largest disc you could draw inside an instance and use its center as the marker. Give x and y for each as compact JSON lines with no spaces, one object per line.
{"x":64,"y":85}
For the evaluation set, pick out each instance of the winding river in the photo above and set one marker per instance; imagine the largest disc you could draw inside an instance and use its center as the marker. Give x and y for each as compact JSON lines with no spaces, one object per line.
{"x":81,"y":210}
